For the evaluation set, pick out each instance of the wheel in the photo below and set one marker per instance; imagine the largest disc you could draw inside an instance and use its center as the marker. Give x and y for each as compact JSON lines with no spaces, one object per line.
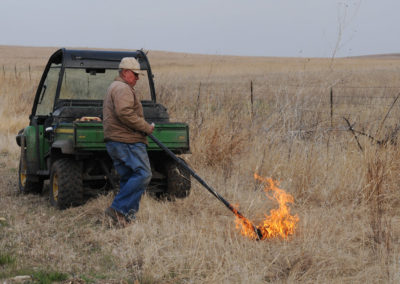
{"x":178,"y":180}
{"x":28,"y":183}
{"x":66,"y":187}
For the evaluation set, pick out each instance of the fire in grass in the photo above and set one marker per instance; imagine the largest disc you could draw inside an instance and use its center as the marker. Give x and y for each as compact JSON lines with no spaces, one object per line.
{"x":280,"y":223}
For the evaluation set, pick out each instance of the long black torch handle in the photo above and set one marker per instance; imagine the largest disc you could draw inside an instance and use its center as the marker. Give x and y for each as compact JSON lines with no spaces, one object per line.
{"x":201,"y":181}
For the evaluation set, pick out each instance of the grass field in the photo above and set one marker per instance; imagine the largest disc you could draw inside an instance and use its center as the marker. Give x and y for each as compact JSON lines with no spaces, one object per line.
{"x":346,"y":191}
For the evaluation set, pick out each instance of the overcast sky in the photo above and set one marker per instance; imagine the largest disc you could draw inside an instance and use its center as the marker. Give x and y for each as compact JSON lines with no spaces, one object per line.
{"x":300,"y":28}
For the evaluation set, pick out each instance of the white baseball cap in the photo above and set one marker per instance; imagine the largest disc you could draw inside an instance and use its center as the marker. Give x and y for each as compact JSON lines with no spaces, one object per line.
{"x":130,"y":63}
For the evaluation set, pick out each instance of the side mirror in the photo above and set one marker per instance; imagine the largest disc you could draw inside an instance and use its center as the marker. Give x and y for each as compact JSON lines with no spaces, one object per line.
{"x":49,"y":133}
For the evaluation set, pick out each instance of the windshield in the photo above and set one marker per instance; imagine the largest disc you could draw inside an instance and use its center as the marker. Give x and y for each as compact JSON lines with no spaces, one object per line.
{"x":48,"y":91}
{"x":92,"y":84}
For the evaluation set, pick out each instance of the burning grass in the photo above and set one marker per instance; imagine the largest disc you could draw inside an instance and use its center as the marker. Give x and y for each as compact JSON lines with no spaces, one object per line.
{"x":346,"y":200}
{"x":280,"y":223}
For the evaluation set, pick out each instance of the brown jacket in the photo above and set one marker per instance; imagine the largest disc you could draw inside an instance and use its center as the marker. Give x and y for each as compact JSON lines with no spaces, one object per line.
{"x":123,"y":119}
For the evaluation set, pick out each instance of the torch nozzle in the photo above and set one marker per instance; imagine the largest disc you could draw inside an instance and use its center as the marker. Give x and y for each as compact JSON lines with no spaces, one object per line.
{"x":259,"y":234}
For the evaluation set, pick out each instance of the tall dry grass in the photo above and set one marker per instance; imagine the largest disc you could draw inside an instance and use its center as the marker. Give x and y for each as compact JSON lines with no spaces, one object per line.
{"x":347,"y":199}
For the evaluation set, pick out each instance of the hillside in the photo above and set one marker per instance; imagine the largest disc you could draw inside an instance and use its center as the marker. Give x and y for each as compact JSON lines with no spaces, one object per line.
{"x":290,"y":126}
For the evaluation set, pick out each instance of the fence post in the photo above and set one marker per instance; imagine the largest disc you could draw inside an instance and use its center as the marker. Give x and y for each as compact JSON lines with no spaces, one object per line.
{"x":197,"y":102}
{"x":331,"y":99}
{"x":251,"y":99}
{"x":30,"y":78}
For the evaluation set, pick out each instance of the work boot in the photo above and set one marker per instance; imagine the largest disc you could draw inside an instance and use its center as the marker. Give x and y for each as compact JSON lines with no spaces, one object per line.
{"x":117,"y":217}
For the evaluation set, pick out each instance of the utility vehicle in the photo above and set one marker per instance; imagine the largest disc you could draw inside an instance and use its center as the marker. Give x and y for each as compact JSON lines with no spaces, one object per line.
{"x":64,"y":140}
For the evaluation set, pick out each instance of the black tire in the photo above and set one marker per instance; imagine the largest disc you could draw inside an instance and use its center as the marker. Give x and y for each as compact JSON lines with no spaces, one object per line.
{"x":28,"y":183}
{"x":178,"y":180}
{"x":66,"y":187}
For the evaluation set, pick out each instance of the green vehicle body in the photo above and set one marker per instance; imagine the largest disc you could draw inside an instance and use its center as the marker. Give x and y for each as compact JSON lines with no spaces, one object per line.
{"x":83,"y":137}
{"x":65,"y":144}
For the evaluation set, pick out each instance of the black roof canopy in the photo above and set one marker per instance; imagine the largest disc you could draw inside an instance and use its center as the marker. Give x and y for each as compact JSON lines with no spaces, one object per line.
{"x":72,"y":58}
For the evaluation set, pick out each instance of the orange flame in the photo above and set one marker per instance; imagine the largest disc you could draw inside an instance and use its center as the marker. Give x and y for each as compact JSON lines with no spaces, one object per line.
{"x":279,"y":223}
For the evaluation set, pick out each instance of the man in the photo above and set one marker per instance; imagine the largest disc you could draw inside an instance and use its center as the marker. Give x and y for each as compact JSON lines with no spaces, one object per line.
{"x":125,"y":135}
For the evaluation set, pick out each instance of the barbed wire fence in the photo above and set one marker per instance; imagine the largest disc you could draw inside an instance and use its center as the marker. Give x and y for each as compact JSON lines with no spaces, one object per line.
{"x":361,"y":110}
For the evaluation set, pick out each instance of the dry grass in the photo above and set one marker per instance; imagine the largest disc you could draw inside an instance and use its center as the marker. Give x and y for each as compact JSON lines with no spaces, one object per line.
{"x":347,"y":199}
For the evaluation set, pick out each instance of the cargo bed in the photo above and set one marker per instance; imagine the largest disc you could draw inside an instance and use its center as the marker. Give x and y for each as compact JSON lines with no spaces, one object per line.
{"x":88,"y":136}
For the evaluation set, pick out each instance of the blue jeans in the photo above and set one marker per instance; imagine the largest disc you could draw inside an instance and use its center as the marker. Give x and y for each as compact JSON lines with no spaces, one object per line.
{"x":132,"y":164}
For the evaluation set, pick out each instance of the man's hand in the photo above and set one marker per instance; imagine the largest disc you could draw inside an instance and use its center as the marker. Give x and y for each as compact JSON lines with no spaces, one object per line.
{"x":152,"y":127}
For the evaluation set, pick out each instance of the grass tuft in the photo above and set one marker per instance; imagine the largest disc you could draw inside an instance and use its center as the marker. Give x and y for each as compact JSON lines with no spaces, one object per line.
{"x":6,"y":259}
{"x":48,"y":277}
